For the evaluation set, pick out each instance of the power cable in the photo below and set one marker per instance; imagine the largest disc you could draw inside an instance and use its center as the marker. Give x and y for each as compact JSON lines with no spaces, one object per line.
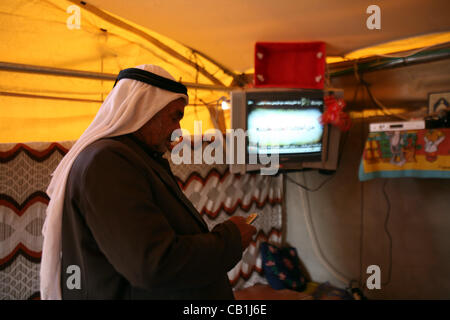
{"x":361,"y":208}
{"x":361,"y":81}
{"x":411,"y":52}
{"x":316,"y":247}
{"x":309,"y":189}
{"x":386,"y":221}
{"x":309,"y":224}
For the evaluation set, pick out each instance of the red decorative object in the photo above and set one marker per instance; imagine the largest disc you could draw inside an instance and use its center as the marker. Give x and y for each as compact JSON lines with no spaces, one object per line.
{"x":290,"y":64}
{"x":334,"y":113}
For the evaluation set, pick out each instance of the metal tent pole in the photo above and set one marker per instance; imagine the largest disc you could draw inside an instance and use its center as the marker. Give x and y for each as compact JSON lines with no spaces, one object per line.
{"x":26,"y":68}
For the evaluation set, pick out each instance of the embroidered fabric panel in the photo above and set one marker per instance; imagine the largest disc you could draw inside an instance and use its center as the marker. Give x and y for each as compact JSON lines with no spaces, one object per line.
{"x":24,"y":176}
{"x":217,"y":194}
{"x":25,"y":171}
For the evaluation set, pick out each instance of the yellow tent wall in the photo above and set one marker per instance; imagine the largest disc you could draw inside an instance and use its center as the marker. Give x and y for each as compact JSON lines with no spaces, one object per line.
{"x":43,"y":107}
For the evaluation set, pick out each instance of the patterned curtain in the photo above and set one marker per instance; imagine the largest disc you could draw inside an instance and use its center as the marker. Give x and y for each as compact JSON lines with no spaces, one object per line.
{"x":217,"y":194}
{"x":24,"y":176}
{"x":25,"y":171}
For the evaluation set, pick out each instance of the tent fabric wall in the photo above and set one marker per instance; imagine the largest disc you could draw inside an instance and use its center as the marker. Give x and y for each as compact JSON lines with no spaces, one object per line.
{"x":34,"y":107}
{"x":216,"y":193}
{"x":353,"y":222}
{"x":227,"y":29}
{"x":36,"y":33}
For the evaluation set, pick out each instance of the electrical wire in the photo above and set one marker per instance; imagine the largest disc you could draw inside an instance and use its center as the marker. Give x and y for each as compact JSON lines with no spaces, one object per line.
{"x":326,"y":180}
{"x":309,"y":189}
{"x":380,"y":63}
{"x":316,"y":247}
{"x":308,"y":219}
{"x":361,"y":212}
{"x":341,"y":152}
{"x":193,"y":54}
{"x":309,"y":224}
{"x":386,"y":221}
{"x":411,"y":52}
{"x":361,"y":235}
{"x":361,"y":81}
{"x":327,"y":76}
{"x":307,"y":209}
{"x":212,"y":116}
{"x":382,"y":106}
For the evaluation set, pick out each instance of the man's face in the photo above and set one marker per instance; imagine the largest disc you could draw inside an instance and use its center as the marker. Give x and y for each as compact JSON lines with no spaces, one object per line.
{"x":157,"y":132}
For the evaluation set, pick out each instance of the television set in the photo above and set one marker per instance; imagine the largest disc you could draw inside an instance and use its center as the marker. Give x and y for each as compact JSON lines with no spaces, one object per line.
{"x":286,"y":122}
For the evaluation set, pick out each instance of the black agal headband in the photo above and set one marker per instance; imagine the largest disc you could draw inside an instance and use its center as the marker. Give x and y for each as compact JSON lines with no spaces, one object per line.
{"x":151,"y":79}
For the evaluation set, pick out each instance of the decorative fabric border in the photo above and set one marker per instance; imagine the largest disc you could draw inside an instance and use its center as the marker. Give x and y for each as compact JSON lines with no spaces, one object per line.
{"x":25,"y":171}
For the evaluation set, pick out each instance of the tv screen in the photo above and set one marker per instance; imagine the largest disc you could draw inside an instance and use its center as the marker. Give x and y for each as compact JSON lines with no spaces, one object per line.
{"x":286,"y":122}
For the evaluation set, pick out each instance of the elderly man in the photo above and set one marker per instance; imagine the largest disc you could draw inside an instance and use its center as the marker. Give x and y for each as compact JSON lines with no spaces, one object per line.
{"x":117,"y":217}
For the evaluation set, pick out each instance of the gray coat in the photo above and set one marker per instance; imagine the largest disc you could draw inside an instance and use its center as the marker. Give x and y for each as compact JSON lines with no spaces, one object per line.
{"x":133,"y":233}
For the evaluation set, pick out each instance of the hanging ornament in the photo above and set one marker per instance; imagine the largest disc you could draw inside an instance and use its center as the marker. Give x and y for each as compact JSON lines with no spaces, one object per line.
{"x":334,"y":113}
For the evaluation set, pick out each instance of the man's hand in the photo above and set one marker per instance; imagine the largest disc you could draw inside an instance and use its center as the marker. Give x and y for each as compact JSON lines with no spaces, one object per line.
{"x":246,"y":230}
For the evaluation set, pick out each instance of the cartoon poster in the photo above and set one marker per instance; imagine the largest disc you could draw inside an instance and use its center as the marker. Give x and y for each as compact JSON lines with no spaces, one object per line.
{"x":415,"y":153}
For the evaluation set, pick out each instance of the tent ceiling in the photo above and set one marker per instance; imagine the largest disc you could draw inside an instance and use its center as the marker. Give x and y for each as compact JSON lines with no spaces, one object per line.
{"x":38,"y":103}
{"x":226,"y":30}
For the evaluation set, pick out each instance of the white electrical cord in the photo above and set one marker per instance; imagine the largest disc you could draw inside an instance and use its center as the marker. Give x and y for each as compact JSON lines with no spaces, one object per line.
{"x":306,"y":211}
